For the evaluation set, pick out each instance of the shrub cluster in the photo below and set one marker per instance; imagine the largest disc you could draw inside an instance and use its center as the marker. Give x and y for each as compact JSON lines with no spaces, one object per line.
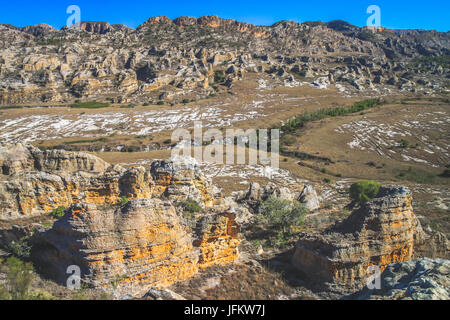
{"x":364,"y":191}
{"x":301,"y":120}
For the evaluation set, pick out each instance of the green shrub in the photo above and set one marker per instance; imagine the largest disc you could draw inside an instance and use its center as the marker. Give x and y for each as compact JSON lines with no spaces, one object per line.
{"x":364,"y":191}
{"x":300,"y":121}
{"x":280,"y":216}
{"x":160,"y":103}
{"x":445,"y":174}
{"x":123,"y":201}
{"x":58,"y":213}
{"x":89,"y":105}
{"x":219,"y":76}
{"x":20,"y":249}
{"x":191,"y":206}
{"x":4,"y":294}
{"x":416,"y":175}
{"x":20,"y":277}
{"x":404,"y":144}
{"x":40,"y":294}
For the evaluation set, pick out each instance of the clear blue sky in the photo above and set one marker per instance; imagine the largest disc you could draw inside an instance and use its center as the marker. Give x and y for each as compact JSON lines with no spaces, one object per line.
{"x":396,"y":14}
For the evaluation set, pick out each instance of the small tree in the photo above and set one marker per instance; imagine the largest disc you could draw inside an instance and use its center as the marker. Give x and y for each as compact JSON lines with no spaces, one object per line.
{"x":191,"y":206}
{"x":281,"y":215}
{"x":20,"y":276}
{"x":21,"y":248}
{"x":58,"y":213}
{"x":364,"y":191}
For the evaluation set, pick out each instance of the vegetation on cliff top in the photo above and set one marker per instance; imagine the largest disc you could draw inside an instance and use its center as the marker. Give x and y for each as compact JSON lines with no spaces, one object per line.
{"x":364,"y":191}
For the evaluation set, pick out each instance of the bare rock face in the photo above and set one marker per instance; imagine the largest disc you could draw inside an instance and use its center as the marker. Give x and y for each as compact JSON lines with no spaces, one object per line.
{"x":257,"y":193}
{"x":39,"y":64}
{"x":309,"y":198}
{"x":380,"y":233}
{"x":145,"y":244}
{"x":96,"y":27}
{"x":433,"y":244}
{"x":217,"y":239}
{"x":140,"y":245}
{"x":129,"y":250}
{"x":35,"y":182}
{"x":180,"y":178}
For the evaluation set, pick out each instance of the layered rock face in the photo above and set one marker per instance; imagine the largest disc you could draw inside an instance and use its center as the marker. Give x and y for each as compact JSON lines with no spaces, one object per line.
{"x":180,"y":178}
{"x":142,"y":245}
{"x":147,"y":243}
{"x":380,"y":233}
{"x":217,"y":239}
{"x":256,"y":194}
{"x":143,"y":242}
{"x":35,"y":182}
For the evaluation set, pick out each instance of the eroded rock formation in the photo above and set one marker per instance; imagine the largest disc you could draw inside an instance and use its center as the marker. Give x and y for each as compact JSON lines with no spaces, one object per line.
{"x":35,"y":182}
{"x":143,"y":245}
{"x":380,"y":233}
{"x":150,"y":242}
{"x":39,"y":64}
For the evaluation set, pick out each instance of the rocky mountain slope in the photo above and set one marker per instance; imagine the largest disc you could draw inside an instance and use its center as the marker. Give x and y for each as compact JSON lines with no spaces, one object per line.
{"x":187,"y":57}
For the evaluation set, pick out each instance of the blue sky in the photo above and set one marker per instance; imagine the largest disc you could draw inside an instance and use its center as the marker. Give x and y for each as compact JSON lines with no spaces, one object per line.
{"x":398,"y":14}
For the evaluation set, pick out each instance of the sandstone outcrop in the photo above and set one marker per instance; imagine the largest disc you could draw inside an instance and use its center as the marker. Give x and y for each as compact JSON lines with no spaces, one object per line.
{"x":380,"y":233}
{"x":256,"y":193}
{"x":35,"y":182}
{"x":140,"y":244}
{"x":146,"y":243}
{"x":129,"y":250}
{"x":309,"y":198}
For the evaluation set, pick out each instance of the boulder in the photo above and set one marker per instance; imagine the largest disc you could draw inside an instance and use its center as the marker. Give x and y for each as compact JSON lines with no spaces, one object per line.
{"x":423,"y":279}
{"x":309,"y":198}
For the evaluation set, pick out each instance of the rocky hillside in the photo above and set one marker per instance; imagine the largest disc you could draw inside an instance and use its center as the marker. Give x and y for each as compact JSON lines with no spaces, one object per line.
{"x":187,"y":57}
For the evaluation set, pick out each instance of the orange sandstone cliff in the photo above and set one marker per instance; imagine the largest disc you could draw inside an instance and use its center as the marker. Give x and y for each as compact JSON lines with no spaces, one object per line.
{"x":147,"y":243}
{"x":380,"y":233}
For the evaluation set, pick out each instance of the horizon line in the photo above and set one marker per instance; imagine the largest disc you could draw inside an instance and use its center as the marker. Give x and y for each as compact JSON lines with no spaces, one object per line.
{"x":241,"y":21}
